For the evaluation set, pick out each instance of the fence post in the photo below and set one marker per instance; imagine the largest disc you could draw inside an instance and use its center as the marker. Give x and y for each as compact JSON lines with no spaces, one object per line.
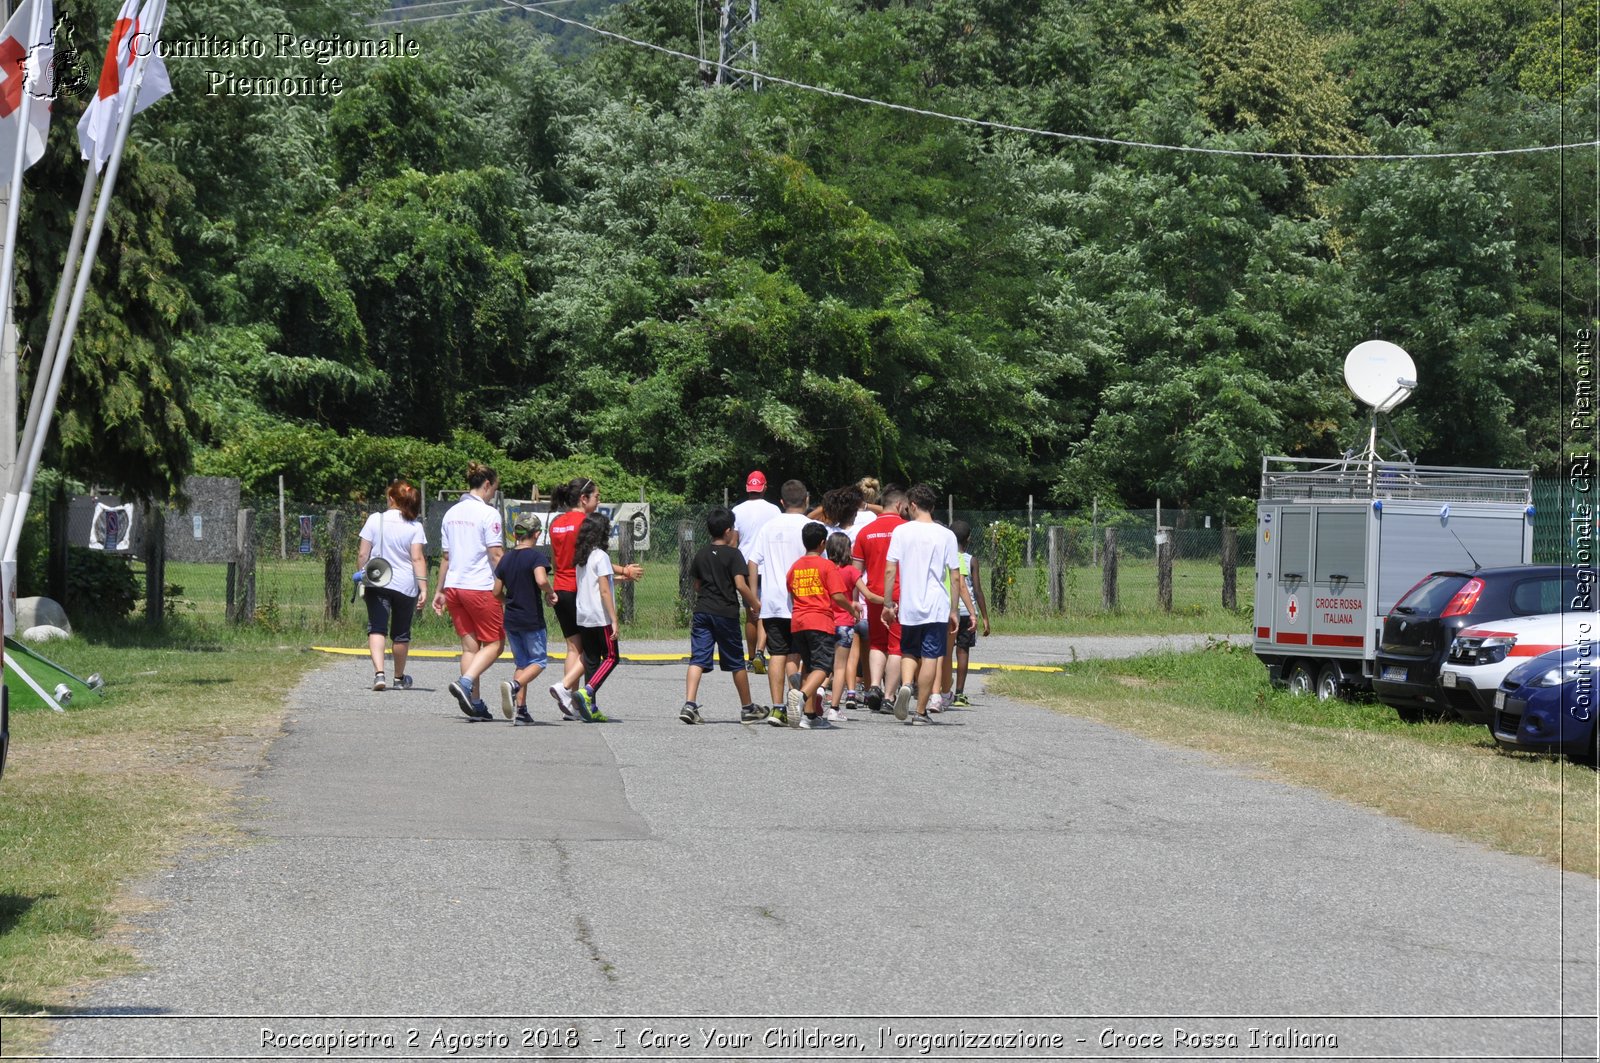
{"x":155,"y":565}
{"x":1230,"y":567}
{"x":1027,"y":561}
{"x":245,"y":550}
{"x":1108,"y":572}
{"x":999,"y":576}
{"x":624,"y":559}
{"x":333,"y":567}
{"x":1057,"y":555}
{"x":1164,"y":568}
{"x":685,"y":561}
{"x":283,"y":523}
{"x":1094,"y":534}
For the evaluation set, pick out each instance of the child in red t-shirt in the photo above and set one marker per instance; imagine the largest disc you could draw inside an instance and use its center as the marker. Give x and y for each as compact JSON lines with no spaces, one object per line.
{"x":844,"y":622}
{"x":816,"y":588}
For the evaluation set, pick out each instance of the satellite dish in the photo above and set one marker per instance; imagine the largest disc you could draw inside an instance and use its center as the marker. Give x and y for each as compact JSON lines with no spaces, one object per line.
{"x":378,"y":573}
{"x":1380,"y":374}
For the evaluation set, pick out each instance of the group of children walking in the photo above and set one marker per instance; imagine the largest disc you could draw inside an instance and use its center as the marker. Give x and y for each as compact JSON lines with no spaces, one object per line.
{"x":812,"y":583}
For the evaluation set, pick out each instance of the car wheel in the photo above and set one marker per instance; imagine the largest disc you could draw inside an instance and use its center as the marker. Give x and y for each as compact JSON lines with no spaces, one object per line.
{"x":1411,"y":713}
{"x":1301,"y":682}
{"x":1328,"y":679}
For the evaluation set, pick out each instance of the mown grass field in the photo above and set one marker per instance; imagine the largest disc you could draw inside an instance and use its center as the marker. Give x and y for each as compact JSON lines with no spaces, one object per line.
{"x":290,"y":600}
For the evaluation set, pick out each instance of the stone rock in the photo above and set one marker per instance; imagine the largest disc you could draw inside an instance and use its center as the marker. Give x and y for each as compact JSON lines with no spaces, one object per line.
{"x":44,"y":633}
{"x":34,"y":612}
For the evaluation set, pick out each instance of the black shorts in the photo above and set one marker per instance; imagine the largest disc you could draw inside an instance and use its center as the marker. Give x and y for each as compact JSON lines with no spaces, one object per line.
{"x":966,"y":634}
{"x":815,"y":650}
{"x":778,"y":638}
{"x":389,"y":612}
{"x":566,"y":610}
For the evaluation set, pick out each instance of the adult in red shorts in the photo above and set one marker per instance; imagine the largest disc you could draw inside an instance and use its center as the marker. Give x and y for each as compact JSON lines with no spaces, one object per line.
{"x":883,"y":639}
{"x":472,"y":542}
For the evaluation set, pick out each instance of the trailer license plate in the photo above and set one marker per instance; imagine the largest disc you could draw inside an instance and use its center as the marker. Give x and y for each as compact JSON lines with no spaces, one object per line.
{"x":1447,"y":679}
{"x":1499,"y":699}
{"x":1395,"y":675}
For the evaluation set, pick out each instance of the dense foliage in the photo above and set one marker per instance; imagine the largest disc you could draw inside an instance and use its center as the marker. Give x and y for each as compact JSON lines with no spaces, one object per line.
{"x":557,"y":246}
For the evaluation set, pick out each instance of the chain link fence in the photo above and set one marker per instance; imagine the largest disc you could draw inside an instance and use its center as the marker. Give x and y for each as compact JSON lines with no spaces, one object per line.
{"x":303,"y":555}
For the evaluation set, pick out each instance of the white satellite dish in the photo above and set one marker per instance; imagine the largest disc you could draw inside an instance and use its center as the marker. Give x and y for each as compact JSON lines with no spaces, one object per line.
{"x":1380,"y":374}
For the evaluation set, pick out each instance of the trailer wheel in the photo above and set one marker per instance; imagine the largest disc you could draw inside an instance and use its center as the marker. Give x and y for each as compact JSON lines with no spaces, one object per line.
{"x":1301,"y":681}
{"x":1328,"y":679}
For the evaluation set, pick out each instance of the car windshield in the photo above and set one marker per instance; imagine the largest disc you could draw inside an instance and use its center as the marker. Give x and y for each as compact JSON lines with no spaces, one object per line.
{"x":1431,"y":595}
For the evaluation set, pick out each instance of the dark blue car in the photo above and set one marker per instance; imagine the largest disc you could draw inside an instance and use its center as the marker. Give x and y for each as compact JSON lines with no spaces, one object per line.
{"x":1547,"y":705}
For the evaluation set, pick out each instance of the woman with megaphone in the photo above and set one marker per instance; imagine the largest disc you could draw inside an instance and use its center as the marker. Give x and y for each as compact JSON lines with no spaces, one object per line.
{"x":394,"y":577}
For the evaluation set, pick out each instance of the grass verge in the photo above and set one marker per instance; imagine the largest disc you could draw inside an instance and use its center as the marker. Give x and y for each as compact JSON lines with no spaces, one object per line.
{"x":1449,"y":778}
{"x":107,"y":792}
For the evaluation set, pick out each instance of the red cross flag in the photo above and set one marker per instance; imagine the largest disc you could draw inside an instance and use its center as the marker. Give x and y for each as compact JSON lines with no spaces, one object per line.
{"x":132,"y":36}
{"x":25,"y":48}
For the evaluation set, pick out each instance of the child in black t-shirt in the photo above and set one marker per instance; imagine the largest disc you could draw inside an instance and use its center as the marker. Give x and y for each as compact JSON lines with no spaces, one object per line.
{"x":522,"y":579}
{"x":720,"y":581}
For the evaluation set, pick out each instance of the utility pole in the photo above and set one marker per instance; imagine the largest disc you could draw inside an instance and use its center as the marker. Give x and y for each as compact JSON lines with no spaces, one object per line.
{"x":8,"y":341}
{"x":736,"y":44}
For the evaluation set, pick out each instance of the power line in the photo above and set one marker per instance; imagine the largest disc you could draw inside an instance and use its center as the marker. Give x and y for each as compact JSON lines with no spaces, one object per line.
{"x":435,"y":18}
{"x":1083,"y":138}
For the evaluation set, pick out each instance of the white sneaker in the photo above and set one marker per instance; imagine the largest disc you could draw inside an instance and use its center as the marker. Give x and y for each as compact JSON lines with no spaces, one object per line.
{"x":815,"y":723}
{"x":902,"y":702}
{"x":833,"y":715}
{"x":563,"y":698}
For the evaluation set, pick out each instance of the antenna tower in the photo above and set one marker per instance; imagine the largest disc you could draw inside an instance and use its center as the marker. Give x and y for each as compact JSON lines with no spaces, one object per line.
{"x":736,"y":44}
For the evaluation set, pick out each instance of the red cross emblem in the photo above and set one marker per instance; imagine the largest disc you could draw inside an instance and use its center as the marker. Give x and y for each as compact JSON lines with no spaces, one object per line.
{"x":12,"y":55}
{"x":1294,"y":608}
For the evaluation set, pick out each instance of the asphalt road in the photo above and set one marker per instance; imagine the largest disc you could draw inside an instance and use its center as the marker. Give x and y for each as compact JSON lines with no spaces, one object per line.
{"x":511,"y":891}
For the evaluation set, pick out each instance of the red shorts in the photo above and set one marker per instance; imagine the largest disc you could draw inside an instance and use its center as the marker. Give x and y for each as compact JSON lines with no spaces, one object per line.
{"x":885,"y":639}
{"x":475,"y":613}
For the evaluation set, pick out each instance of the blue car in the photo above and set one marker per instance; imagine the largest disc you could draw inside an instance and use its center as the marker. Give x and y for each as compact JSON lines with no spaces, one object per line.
{"x":1548,"y":704}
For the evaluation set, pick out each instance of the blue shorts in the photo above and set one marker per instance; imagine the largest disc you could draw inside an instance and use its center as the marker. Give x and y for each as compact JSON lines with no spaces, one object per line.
{"x":529,"y":647}
{"x":721,"y":632}
{"x":924,"y":641}
{"x":846,"y":634}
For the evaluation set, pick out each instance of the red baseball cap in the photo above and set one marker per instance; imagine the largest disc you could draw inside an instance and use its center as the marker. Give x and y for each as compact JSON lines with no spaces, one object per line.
{"x":756,"y":481}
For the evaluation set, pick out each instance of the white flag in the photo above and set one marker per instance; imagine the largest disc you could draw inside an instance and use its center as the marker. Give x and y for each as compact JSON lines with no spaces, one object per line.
{"x":26,"y":55}
{"x":133,"y":35}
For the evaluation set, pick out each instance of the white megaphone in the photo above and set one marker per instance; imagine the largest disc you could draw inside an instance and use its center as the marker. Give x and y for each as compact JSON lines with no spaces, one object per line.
{"x":378,"y":573}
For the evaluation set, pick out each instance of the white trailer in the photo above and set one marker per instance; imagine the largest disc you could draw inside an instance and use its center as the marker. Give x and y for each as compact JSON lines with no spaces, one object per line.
{"x":1337,"y":544}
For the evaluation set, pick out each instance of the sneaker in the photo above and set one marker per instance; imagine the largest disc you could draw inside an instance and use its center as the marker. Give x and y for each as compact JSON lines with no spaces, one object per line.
{"x":902,"y":701}
{"x":833,"y":716}
{"x":508,"y":697}
{"x":937,"y":702}
{"x":583,"y":702}
{"x":596,"y":716}
{"x":480,"y":711}
{"x":758,"y":662}
{"x":690,"y":713}
{"x":522,"y":716}
{"x":815,"y":723}
{"x":920,"y":717}
{"x":874,"y":699}
{"x":378,"y":681}
{"x":563,"y":698}
{"x":794,"y":702}
{"x":753,"y":713}
{"x":960,"y":700}
{"x":851,"y":698}
{"x":461,"y":689}
{"x":403,"y":682}
{"x":777,"y":717}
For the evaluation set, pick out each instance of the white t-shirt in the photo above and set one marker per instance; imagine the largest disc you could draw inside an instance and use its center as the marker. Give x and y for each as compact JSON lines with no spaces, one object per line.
{"x":925,"y":553}
{"x":469,"y":528}
{"x":591,"y":610}
{"x":393,"y":544}
{"x":749,"y":517}
{"x":776,"y":549}
{"x":864,"y":517}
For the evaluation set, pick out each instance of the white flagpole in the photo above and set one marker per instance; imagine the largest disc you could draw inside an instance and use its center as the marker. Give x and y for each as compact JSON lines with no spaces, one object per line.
{"x":64,"y":356}
{"x":47,"y":361}
{"x":8,"y":356}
